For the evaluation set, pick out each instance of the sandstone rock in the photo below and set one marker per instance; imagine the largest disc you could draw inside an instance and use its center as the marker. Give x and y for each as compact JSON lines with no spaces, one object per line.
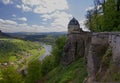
{"x":92,"y":46}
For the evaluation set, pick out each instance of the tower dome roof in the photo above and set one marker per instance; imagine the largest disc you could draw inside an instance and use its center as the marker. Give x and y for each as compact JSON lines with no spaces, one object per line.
{"x":74,"y":22}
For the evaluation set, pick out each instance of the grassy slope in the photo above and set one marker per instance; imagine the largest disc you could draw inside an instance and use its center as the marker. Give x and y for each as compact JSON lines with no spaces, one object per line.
{"x":74,"y":73}
{"x":18,"y":53}
{"x":13,"y":49}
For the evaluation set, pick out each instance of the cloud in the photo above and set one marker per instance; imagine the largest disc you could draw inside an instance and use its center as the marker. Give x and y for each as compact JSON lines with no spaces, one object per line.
{"x":18,"y":6}
{"x":9,"y":22}
{"x":53,"y":10}
{"x":24,"y":8}
{"x":82,"y":25}
{"x":60,"y":19}
{"x":12,"y":26}
{"x":99,"y":7}
{"x":90,"y":8}
{"x":22,"y":19}
{"x":7,"y":1}
{"x":45,"y":6}
{"x":13,"y":15}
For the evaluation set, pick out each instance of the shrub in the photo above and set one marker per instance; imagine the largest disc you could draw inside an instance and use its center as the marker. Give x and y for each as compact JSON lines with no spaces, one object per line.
{"x":47,"y":64}
{"x":10,"y":75}
{"x":34,"y":72}
{"x":58,"y":49}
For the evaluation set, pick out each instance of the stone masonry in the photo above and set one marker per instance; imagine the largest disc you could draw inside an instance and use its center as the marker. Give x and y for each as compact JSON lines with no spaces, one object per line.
{"x":91,"y":46}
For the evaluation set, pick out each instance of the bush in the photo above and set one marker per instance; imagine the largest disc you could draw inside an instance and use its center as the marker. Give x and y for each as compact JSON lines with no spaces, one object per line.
{"x":47,"y":64}
{"x":58,"y":49}
{"x":10,"y":75}
{"x":34,"y":72}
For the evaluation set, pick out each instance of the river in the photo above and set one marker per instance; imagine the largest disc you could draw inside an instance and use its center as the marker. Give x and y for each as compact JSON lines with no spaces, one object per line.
{"x":48,"y":49}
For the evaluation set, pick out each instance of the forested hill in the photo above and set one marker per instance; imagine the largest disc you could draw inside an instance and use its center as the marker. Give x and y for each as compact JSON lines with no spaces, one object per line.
{"x":15,"y":55}
{"x":3,"y":34}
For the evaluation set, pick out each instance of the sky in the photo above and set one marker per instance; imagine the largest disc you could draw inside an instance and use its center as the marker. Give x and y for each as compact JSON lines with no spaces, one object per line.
{"x":41,"y":15}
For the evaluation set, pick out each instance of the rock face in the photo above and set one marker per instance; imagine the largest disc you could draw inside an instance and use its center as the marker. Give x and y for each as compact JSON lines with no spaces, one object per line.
{"x":76,"y":44}
{"x":75,"y":47}
{"x":101,"y":51}
{"x":93,"y":47}
{"x":100,"y":43}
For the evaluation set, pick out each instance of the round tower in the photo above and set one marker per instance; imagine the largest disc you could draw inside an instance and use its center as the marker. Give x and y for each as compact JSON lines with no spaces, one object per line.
{"x":74,"y":26}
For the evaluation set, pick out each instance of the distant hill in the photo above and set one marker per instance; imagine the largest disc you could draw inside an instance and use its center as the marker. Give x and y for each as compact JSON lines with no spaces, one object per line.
{"x":22,"y":34}
{"x":3,"y":34}
{"x":45,"y":37}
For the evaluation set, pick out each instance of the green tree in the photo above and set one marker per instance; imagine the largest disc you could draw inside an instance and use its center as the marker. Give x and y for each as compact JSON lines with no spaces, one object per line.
{"x":37,"y":70}
{"x":111,"y":16}
{"x":34,"y":72}
{"x":10,"y":75}
{"x":104,"y":17}
{"x":58,"y":49}
{"x":47,"y":64}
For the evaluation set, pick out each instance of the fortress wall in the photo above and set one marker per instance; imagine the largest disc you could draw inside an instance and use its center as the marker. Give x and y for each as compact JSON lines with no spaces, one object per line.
{"x":92,"y":46}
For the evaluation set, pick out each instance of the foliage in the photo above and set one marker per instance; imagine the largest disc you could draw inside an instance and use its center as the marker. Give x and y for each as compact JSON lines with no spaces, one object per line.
{"x":58,"y":49}
{"x":73,"y":73}
{"x":107,"y":58}
{"x":106,"y":62}
{"x":101,"y":18}
{"x":47,"y":64}
{"x":10,"y":75}
{"x":44,"y":38}
{"x":109,"y":71}
{"x":15,"y":48}
{"x":18,"y":53}
{"x":111,"y":18}
{"x":34,"y":72}
{"x":36,"y":69}
{"x":112,"y":74}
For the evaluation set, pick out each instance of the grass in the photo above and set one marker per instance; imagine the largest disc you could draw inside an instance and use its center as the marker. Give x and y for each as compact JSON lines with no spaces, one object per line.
{"x":16,"y":48}
{"x":73,"y":73}
{"x":35,"y":54}
{"x":18,"y":53}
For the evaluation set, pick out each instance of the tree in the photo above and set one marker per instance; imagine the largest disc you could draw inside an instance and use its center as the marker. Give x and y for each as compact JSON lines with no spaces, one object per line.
{"x":34,"y":72}
{"x":104,"y":16}
{"x":58,"y":49}
{"x":111,"y":17}
{"x":47,"y":64}
{"x":10,"y":75}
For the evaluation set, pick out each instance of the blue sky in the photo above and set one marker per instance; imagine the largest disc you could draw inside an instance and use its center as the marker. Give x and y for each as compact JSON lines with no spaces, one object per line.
{"x":41,"y":15}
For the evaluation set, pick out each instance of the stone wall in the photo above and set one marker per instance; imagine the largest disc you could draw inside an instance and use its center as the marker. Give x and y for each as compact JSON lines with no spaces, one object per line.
{"x":75,"y":47}
{"x":92,"y":46}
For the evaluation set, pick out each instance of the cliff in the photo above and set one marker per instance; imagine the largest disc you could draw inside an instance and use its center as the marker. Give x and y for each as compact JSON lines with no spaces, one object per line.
{"x":101,"y":52}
